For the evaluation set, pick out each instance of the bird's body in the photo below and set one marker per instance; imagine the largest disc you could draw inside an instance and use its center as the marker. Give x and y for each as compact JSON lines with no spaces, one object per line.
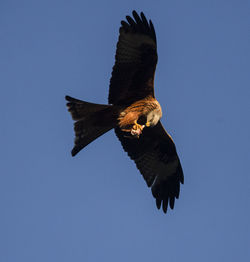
{"x":145,"y":112}
{"x":134,"y":112}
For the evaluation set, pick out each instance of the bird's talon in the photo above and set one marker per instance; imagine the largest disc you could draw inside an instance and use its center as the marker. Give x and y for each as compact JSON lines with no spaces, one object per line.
{"x":137,"y":126}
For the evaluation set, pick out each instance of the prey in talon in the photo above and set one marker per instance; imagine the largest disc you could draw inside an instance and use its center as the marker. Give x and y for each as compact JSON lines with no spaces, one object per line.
{"x":137,"y":129}
{"x":133,"y":112}
{"x":139,"y":115}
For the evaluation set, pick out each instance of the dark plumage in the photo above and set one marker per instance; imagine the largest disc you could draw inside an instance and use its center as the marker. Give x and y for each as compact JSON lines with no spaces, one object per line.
{"x":135,"y":62}
{"x":134,"y":112}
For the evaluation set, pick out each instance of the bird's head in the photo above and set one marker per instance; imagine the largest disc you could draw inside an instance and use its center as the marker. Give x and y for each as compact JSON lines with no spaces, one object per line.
{"x":153,"y":117}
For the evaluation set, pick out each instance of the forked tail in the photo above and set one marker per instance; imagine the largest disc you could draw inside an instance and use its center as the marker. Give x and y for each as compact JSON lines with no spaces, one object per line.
{"x":92,"y":121}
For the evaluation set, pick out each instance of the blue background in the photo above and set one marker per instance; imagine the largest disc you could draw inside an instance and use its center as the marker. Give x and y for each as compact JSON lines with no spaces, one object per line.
{"x":96,"y":206}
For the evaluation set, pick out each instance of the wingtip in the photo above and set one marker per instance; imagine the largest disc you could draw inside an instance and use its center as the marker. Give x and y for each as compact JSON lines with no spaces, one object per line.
{"x":74,"y":152}
{"x":134,"y":13}
{"x":158,"y":203}
{"x":165,"y":205}
{"x":171,"y":202}
{"x":144,"y":19}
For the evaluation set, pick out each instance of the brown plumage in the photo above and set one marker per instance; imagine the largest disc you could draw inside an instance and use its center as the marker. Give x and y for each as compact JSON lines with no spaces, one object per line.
{"x":134,"y":112}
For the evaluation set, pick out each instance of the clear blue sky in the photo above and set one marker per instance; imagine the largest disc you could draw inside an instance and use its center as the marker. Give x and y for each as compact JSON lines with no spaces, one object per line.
{"x":96,"y":206}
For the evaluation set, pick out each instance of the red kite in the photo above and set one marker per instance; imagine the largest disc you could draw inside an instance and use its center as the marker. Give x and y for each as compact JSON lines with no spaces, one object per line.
{"x":134,"y":112}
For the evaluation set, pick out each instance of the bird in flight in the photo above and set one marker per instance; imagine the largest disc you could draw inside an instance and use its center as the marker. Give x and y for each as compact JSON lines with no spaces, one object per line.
{"x":134,"y":113}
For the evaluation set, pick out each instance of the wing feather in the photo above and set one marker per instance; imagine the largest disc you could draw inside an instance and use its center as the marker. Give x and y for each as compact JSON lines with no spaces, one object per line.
{"x":135,"y":61}
{"x":156,"y":158}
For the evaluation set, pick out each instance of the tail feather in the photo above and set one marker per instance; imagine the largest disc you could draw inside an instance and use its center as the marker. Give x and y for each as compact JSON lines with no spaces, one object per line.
{"x":92,"y":121}
{"x":80,"y":109}
{"x":85,"y":133}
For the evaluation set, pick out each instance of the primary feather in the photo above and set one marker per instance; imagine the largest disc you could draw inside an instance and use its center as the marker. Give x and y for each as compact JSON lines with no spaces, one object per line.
{"x":134,"y":112}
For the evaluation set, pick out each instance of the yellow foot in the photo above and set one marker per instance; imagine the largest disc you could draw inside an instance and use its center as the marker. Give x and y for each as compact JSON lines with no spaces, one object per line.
{"x":137,"y":126}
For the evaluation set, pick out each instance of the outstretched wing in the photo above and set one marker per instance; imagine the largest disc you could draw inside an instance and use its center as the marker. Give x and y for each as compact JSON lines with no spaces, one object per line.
{"x":135,"y":61}
{"x":155,"y":156}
